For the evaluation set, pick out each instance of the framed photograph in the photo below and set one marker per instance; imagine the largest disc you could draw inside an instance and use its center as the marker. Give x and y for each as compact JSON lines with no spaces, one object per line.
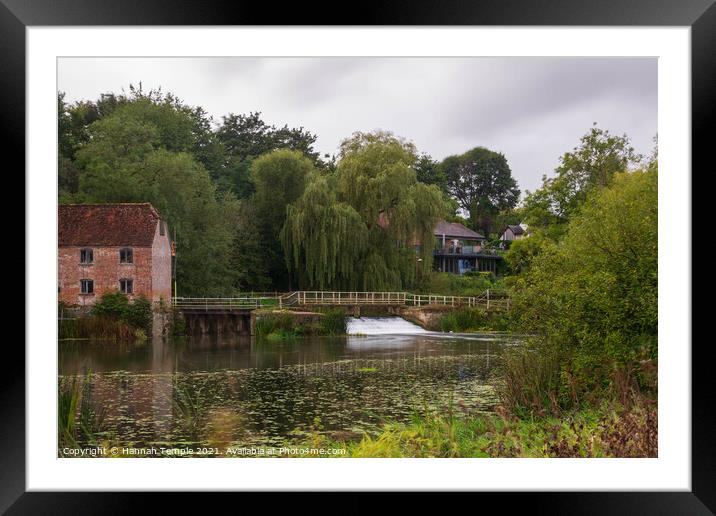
{"x":442,"y":249}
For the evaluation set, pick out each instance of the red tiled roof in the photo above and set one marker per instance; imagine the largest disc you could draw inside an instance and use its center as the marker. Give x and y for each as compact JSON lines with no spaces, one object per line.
{"x":456,"y":230}
{"x":107,"y":224}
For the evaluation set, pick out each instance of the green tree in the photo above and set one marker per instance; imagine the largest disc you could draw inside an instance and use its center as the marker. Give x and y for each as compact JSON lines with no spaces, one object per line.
{"x":482,"y":183}
{"x":522,"y":252}
{"x":280,"y":179}
{"x":246,"y":137}
{"x":359,"y":140}
{"x":177,"y":128}
{"x":249,"y":254}
{"x":593,"y":164}
{"x":593,"y":296}
{"x":428,"y":171}
{"x":355,"y":229}
{"x":126,"y":161}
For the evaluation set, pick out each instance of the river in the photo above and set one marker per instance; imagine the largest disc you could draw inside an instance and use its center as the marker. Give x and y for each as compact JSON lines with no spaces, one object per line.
{"x":240,"y":391}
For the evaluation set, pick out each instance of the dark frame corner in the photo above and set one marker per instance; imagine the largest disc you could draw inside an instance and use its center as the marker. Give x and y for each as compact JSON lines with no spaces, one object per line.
{"x":700,"y":15}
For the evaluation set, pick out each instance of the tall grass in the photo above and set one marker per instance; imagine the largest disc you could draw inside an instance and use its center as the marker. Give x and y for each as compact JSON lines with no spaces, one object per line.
{"x":78,"y":422}
{"x":468,"y":319}
{"x":282,"y":323}
{"x":93,"y":326}
{"x":333,"y":322}
{"x":187,"y":405}
{"x":286,"y":325}
{"x":112,"y":317}
{"x":531,"y":381}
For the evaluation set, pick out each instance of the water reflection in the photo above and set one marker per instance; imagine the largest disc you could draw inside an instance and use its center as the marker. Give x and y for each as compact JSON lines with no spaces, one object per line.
{"x":214,"y":354}
{"x":243,"y":391}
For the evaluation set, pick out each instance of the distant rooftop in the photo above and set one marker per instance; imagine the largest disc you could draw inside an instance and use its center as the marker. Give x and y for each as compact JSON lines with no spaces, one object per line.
{"x":516,"y":229}
{"x":456,"y":230}
{"x":130,"y":224}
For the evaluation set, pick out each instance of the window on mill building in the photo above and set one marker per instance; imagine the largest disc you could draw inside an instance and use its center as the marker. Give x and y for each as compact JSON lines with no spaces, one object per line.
{"x":126,"y":286}
{"x":126,"y":255}
{"x":86,"y":256}
{"x":86,"y":286}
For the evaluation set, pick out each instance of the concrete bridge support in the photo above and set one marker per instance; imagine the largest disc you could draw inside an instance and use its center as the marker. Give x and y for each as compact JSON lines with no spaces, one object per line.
{"x":217,"y":323}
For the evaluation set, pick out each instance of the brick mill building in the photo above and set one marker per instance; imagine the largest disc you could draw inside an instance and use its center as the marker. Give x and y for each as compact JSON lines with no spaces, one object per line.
{"x":113,"y":247}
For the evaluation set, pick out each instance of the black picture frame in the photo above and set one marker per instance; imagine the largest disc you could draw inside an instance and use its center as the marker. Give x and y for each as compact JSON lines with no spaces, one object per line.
{"x":700,"y":15}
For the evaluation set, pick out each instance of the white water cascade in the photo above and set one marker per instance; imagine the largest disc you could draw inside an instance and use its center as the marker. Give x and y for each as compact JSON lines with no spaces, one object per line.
{"x":381,"y":326}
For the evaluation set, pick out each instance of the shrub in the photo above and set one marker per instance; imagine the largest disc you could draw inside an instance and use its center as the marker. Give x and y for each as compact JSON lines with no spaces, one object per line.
{"x":592,"y":298}
{"x":462,"y":319}
{"x":523,"y":252}
{"x":280,"y":323}
{"x":333,"y":322}
{"x":472,"y":283}
{"x":284,"y":325}
{"x":139,"y":313}
{"x":116,"y":306}
{"x":473,"y":319}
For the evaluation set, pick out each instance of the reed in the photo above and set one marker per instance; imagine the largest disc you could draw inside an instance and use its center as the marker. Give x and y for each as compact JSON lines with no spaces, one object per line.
{"x":78,"y":422}
{"x":98,"y":327}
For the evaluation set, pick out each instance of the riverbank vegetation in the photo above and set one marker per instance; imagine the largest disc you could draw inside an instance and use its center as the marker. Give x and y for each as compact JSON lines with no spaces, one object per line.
{"x":465,"y":320}
{"x":112,"y":317}
{"x":286,"y":324}
{"x":602,"y":432}
{"x":79,"y":422}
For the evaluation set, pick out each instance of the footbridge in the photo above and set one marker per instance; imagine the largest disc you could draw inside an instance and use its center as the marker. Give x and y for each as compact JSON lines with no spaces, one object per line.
{"x":215,"y":315}
{"x":489,"y":299}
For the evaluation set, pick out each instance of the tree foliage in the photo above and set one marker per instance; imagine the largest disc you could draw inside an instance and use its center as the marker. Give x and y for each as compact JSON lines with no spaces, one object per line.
{"x":593,"y":164}
{"x":482,"y":183}
{"x":521,"y":254}
{"x":429,"y":171}
{"x":143,"y":151}
{"x":355,"y":229}
{"x":279,"y":178}
{"x":593,"y":296}
{"x":246,"y":137}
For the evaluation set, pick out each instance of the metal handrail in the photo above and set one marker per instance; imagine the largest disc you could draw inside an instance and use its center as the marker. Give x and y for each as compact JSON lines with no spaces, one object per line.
{"x":490,"y":297}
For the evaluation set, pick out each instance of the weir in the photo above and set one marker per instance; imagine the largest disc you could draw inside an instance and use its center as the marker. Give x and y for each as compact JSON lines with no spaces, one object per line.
{"x":381,"y":326}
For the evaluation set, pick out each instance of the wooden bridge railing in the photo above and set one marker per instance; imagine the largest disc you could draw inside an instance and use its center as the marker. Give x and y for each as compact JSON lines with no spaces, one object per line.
{"x":489,"y":299}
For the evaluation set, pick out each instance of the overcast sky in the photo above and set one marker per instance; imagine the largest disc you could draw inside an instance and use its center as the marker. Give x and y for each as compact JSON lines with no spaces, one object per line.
{"x":530,"y":109}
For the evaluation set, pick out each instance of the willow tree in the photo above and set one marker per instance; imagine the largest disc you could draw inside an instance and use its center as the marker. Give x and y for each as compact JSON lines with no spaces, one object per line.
{"x":357,"y":229}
